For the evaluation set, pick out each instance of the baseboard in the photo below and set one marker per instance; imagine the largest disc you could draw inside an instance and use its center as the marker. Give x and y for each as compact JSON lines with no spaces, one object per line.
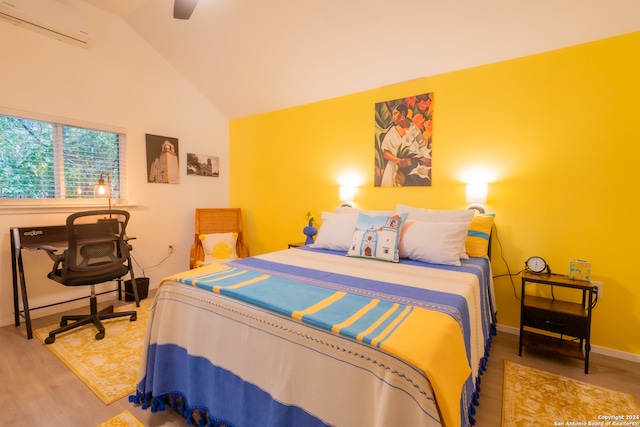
{"x":605,"y":351}
{"x":66,"y":306}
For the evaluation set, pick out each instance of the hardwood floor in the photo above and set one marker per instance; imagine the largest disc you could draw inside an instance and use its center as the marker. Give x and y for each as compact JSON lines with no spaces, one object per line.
{"x":604,"y":371}
{"x":37,"y":389}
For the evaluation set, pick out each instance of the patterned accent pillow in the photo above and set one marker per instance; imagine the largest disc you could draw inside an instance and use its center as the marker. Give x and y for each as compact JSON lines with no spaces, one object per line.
{"x":377,"y":237}
{"x":219,"y":246}
{"x":477,"y":242}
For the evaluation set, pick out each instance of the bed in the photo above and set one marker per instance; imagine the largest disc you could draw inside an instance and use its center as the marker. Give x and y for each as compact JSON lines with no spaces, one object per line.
{"x":320,"y":336}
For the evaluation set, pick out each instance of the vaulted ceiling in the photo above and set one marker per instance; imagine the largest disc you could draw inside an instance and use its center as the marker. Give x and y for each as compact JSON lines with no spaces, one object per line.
{"x":254,"y":56}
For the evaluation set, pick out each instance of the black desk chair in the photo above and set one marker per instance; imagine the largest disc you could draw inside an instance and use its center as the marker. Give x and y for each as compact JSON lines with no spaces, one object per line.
{"x":98,"y":252}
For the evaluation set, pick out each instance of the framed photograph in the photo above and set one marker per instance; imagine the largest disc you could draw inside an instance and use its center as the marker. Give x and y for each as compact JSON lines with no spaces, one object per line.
{"x":202,"y":165}
{"x":403,"y":141}
{"x":162,"y":159}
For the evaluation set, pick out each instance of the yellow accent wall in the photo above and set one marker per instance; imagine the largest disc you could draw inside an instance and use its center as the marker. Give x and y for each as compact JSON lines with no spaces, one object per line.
{"x":557,"y":132}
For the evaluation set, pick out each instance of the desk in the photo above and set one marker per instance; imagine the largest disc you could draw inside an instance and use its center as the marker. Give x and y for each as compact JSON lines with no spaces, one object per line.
{"x":31,"y":238}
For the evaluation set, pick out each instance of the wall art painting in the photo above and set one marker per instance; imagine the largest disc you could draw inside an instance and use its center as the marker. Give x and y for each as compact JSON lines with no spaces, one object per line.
{"x":202,"y":165}
{"x":403,"y":141}
{"x":162,"y":159}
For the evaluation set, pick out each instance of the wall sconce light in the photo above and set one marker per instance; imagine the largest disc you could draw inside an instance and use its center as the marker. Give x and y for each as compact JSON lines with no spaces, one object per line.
{"x":346,"y":195}
{"x":477,"y":193}
{"x":103,"y":190}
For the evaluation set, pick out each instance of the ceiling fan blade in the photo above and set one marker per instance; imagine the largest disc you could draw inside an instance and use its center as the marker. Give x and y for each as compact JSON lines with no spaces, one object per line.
{"x":182,"y":9}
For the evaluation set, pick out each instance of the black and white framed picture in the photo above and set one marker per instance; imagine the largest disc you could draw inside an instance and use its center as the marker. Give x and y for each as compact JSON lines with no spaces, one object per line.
{"x":203,"y":165}
{"x":162,"y":159}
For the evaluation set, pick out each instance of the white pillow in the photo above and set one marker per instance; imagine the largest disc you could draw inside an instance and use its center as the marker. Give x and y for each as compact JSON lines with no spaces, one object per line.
{"x":433,"y":242}
{"x":336,"y":231}
{"x":219,"y":246}
{"x":344,"y":210}
{"x":435,"y":215}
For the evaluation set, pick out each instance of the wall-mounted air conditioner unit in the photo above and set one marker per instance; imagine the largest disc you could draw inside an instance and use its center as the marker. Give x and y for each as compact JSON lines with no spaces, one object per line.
{"x":48,"y":17}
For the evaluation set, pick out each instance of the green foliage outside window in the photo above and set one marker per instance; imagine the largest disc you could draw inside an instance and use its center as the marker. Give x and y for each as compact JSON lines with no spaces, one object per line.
{"x":42,"y":160}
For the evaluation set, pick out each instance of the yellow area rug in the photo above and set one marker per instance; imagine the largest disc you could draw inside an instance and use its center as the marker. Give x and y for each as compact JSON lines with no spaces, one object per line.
{"x":109,"y":366}
{"x":536,"y":398}
{"x":124,"y":419}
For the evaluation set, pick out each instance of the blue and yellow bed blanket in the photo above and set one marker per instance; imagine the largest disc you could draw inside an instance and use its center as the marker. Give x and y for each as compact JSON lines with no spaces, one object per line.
{"x":437,"y":320}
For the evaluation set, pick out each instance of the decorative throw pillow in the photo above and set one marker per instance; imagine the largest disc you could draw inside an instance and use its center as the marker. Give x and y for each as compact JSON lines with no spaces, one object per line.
{"x":440,"y":215}
{"x":336,"y":231}
{"x":433,"y":242}
{"x":477,"y":241}
{"x":219,"y":246}
{"x":377,"y":237}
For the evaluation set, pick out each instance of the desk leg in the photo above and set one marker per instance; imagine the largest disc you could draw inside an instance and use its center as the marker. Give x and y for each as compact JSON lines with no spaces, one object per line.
{"x":25,"y":300}
{"x":14,"y":276}
{"x":134,"y":285}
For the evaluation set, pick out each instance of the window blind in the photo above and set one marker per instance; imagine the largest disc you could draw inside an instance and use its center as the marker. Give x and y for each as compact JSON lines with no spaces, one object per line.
{"x":55,"y":160}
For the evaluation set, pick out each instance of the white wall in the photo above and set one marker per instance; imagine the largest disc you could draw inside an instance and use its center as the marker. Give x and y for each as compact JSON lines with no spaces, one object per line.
{"x":118,"y":81}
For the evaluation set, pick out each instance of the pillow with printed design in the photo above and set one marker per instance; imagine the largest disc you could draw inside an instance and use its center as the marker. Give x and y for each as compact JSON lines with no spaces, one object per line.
{"x":218,"y":247}
{"x":377,"y":237}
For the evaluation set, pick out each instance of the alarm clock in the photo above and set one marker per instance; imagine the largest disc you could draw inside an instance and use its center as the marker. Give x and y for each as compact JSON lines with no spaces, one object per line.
{"x":536,"y":264}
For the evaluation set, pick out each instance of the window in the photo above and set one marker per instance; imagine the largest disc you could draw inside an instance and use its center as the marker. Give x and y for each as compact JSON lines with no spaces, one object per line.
{"x":48,"y":160}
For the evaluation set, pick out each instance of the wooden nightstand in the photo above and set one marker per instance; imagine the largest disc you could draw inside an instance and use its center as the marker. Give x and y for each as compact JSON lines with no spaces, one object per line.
{"x":559,"y":319}
{"x":295,"y":245}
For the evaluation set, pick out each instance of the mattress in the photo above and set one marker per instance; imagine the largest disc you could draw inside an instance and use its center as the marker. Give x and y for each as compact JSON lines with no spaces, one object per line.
{"x":310,"y":337}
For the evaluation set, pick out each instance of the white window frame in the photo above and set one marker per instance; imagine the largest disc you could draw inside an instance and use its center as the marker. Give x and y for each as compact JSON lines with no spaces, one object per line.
{"x":54,"y":204}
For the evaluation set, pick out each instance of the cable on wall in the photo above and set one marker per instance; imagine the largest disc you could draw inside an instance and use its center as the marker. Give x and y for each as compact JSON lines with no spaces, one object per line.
{"x":153,"y":267}
{"x":509,"y":274}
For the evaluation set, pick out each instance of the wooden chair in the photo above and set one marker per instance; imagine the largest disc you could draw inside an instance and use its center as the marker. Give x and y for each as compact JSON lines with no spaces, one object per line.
{"x":217,"y":220}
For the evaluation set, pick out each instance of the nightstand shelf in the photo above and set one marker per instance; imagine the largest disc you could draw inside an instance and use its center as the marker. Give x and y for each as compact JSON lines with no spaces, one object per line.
{"x":552,"y":344}
{"x":553,"y":325}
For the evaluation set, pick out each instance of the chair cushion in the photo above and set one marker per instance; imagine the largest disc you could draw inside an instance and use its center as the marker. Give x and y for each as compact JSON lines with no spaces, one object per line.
{"x":91,"y":277}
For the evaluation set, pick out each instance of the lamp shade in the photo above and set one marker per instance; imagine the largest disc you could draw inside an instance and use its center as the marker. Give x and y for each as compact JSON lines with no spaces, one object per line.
{"x":477,"y":193}
{"x":347,"y":193}
{"x":102,"y":190}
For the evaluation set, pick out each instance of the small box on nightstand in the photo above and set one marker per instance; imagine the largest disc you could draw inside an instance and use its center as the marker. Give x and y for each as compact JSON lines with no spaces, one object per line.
{"x":579,"y":270}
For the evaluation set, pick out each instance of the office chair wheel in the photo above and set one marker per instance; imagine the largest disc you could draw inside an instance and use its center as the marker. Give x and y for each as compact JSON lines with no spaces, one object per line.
{"x":100,"y":335}
{"x":134,"y":317}
{"x":49,"y":340}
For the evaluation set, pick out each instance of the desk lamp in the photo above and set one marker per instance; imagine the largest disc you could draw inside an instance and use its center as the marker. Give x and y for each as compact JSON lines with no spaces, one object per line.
{"x":103,"y":190}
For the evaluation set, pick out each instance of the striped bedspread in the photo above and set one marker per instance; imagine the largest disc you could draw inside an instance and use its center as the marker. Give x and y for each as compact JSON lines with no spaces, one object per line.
{"x":405,"y":342}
